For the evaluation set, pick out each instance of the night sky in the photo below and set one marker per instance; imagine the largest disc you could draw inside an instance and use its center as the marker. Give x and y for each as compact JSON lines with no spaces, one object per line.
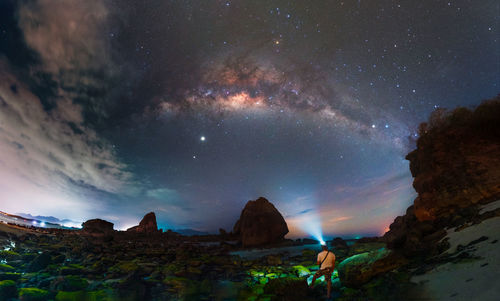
{"x":112,"y":109}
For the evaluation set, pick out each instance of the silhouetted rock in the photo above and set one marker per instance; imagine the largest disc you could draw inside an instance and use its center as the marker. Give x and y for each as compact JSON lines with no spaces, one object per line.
{"x":260,"y":223}
{"x":147,"y":224}
{"x":97,"y":226}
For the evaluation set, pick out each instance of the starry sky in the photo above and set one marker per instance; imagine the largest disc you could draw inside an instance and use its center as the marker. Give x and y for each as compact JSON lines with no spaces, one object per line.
{"x":112,"y":109}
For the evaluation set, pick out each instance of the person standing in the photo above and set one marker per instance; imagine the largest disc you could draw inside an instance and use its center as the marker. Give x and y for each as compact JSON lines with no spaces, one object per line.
{"x":326,"y":262}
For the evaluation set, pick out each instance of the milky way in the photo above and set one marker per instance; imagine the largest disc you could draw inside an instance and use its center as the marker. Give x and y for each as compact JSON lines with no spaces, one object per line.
{"x":113,"y":109}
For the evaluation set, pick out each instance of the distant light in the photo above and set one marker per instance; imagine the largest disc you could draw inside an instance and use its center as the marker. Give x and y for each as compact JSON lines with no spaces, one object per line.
{"x":202,"y":138}
{"x":373,"y":126}
{"x":322,"y":242}
{"x":34,"y":223}
{"x":386,"y":126}
{"x":42,"y":224}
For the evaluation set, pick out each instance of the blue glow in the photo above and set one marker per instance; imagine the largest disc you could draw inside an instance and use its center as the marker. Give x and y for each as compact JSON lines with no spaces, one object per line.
{"x":312,"y":225}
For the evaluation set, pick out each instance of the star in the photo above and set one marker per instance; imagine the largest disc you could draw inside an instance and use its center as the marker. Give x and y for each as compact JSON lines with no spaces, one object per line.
{"x":202,"y":138}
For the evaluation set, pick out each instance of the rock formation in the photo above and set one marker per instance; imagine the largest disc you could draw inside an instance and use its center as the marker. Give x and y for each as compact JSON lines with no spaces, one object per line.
{"x":260,"y":223}
{"x":97,"y":226}
{"x":456,"y":167}
{"x":457,"y":160}
{"x":147,"y":224}
{"x":360,"y":268}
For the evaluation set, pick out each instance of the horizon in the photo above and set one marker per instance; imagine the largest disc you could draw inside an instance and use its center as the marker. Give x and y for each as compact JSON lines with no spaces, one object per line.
{"x":114,"y":109}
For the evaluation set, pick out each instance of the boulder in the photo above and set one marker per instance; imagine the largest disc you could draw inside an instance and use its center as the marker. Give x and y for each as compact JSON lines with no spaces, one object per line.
{"x":260,"y":223}
{"x":361,"y":268}
{"x":147,"y":224}
{"x":97,"y":226}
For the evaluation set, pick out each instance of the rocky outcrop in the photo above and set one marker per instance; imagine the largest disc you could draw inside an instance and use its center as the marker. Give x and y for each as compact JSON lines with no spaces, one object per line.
{"x":97,"y":226}
{"x":456,"y":167}
{"x":361,"y":268}
{"x":147,"y":224}
{"x":260,"y":223}
{"x":457,"y":160}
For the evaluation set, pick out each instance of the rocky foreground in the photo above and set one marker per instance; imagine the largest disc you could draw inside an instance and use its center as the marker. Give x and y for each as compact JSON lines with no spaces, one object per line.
{"x":444,"y":248}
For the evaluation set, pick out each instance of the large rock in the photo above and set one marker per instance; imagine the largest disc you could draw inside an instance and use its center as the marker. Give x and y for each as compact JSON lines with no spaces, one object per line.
{"x":260,"y":223}
{"x":147,"y":224}
{"x":98,"y":227}
{"x":361,"y":268}
{"x":456,"y":167}
{"x":457,"y":160}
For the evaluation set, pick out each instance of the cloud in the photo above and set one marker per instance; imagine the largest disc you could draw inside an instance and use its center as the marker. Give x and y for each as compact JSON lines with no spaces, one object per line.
{"x":45,"y":153}
{"x":66,"y":34}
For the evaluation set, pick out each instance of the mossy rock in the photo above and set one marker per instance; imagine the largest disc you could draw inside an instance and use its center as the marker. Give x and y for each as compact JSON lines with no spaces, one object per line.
{"x":9,"y":255}
{"x":301,"y":271}
{"x":309,"y":253}
{"x":33,"y":294}
{"x":72,"y":269}
{"x":59,"y":258}
{"x":101,"y":295}
{"x":73,"y":283}
{"x":7,"y":289}
{"x":40,"y":262}
{"x":307,"y":263}
{"x":6,"y":268}
{"x":256,"y":273}
{"x":27,"y":257}
{"x":125,"y":267}
{"x":10,"y":276}
{"x":288,"y":289}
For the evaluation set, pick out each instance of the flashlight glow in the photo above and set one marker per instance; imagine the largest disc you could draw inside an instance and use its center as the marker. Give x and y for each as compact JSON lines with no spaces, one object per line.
{"x":311,"y":224}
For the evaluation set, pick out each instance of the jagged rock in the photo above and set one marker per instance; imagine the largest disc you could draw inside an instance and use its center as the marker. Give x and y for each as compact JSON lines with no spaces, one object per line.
{"x":147,"y":224}
{"x":260,"y":223}
{"x":457,"y":161}
{"x":456,"y":167}
{"x":359,"y":269}
{"x":97,"y":226}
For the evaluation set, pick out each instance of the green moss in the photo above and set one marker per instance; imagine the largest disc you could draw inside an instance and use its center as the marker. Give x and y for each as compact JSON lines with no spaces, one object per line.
{"x":301,"y":271}
{"x":10,"y":276}
{"x":9,"y":255}
{"x":29,"y":256}
{"x":6,"y":267}
{"x":74,"y":283}
{"x":71,"y":269}
{"x":256,"y":273}
{"x":7,"y":289}
{"x":101,"y":295}
{"x":33,"y":294}
{"x":125,"y":267}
